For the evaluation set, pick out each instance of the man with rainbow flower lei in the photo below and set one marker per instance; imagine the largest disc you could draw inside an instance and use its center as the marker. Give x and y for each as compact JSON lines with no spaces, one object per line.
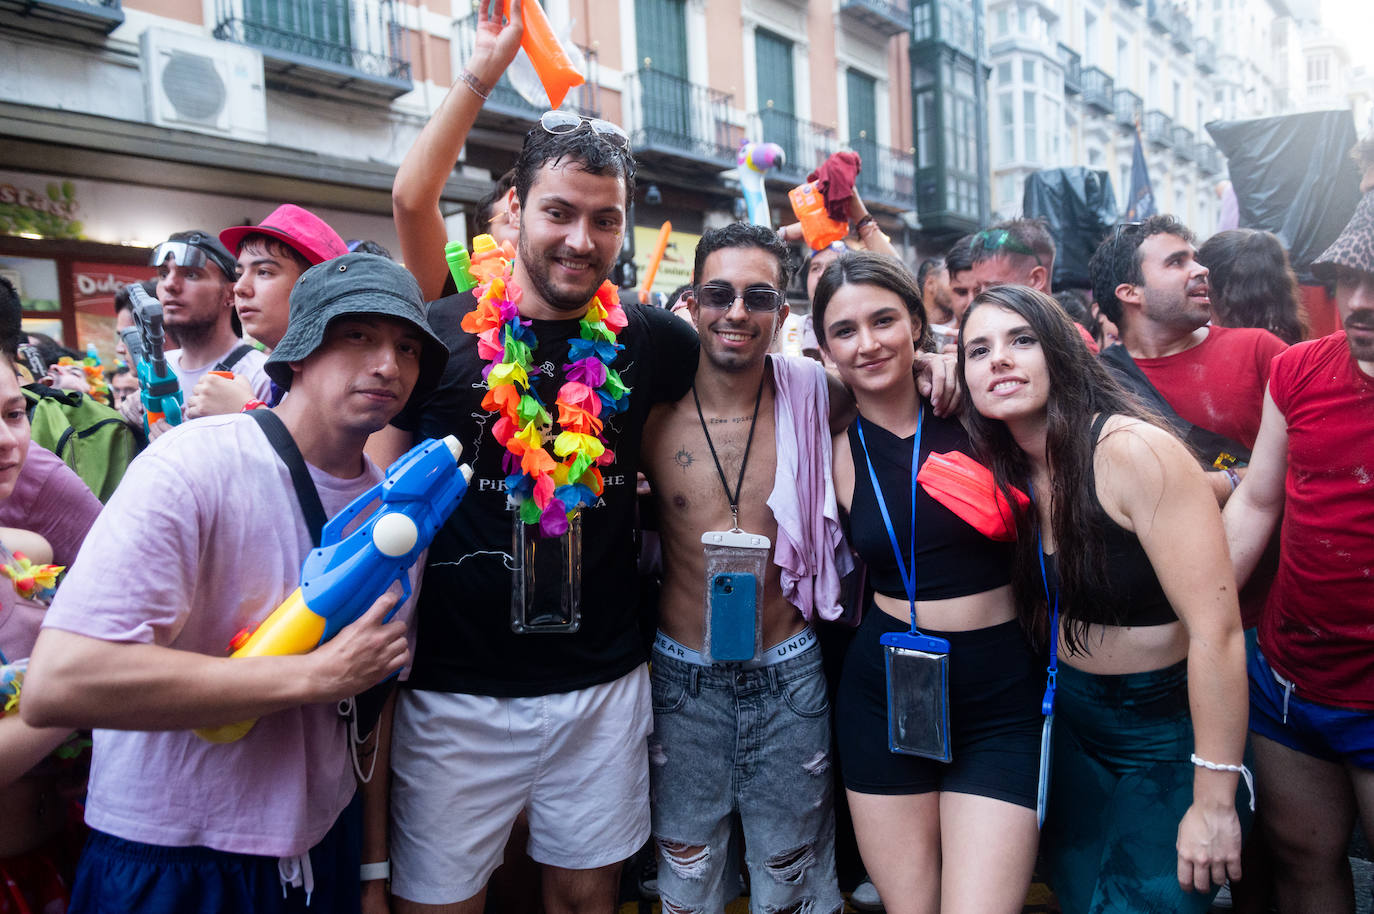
{"x":530,"y":691}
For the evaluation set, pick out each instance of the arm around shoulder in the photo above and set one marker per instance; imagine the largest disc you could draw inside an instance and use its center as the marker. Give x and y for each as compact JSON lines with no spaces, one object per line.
{"x":1255,"y":506}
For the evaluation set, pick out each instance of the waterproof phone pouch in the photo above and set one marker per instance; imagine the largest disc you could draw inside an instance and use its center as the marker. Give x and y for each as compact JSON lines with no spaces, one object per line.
{"x":917,"y":694}
{"x":736,"y":563}
{"x":1042,"y":792}
{"x":546,"y":585}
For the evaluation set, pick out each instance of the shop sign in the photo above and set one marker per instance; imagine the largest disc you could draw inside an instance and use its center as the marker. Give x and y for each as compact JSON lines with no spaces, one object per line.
{"x":50,"y":213}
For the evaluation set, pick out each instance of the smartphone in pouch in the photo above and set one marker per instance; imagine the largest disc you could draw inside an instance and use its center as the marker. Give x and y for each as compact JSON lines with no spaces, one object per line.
{"x":917,"y":695}
{"x":1042,"y":795}
{"x":733,"y":616}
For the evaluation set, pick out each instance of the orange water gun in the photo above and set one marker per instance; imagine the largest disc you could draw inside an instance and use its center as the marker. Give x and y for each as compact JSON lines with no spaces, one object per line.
{"x":546,"y":52}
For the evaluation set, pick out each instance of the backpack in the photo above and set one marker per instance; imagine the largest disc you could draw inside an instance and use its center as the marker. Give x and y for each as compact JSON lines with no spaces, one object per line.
{"x":90,"y":437}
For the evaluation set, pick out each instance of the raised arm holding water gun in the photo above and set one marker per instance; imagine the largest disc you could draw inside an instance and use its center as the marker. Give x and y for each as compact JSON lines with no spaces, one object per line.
{"x":222,"y":541}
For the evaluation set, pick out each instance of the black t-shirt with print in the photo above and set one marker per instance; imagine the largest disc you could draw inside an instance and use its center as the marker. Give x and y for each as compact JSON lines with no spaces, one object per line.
{"x":464,"y":637}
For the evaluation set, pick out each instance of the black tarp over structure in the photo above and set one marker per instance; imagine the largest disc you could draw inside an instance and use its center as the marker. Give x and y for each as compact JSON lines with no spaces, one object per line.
{"x":1079,"y":206}
{"x":1293,"y":176}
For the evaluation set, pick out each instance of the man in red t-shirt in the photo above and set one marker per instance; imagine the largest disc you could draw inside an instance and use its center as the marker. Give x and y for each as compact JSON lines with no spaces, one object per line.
{"x":1147,"y":281}
{"x":1312,"y":681}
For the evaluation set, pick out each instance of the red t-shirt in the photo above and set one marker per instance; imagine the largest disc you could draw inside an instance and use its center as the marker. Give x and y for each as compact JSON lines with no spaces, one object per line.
{"x":1219,"y":383}
{"x":1318,"y":629}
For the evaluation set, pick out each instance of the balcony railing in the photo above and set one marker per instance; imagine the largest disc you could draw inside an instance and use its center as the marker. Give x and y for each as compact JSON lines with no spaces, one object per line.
{"x":1129,"y":108}
{"x":506,"y":104}
{"x":888,"y":17}
{"x":1206,"y":54}
{"x":806,"y":145}
{"x":352,"y":45}
{"x":888,"y":176}
{"x":1183,"y":143}
{"x":103,"y":16}
{"x":1160,"y":15}
{"x":1159,"y":128}
{"x":1182,"y":32}
{"x":1073,"y":70}
{"x":1097,"y":90}
{"x":673,"y":117}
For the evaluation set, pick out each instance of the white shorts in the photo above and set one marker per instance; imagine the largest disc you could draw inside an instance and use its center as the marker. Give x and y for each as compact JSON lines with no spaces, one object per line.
{"x":463,"y":766}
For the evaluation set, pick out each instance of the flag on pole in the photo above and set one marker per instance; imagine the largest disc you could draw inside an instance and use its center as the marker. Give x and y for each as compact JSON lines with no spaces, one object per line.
{"x":1141,"y":201}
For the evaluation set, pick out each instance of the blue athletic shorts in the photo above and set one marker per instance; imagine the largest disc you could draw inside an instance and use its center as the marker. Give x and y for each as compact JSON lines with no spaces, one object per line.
{"x":1278,"y":712}
{"x":121,"y":876}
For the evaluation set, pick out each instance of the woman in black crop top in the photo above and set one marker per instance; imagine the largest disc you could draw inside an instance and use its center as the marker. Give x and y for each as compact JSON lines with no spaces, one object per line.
{"x":957,"y":836}
{"x":1130,"y":534}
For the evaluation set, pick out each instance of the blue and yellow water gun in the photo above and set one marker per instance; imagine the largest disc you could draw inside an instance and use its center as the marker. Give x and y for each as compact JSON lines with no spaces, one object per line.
{"x":158,"y":386}
{"x":347,"y":574}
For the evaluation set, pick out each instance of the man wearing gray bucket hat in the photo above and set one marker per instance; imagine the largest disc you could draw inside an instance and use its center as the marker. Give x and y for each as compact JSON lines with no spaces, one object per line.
{"x":1312,"y":679}
{"x":217,"y":503}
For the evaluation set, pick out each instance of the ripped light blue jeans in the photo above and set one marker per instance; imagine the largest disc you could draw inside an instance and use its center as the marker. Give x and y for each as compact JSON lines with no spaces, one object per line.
{"x":729,"y":739}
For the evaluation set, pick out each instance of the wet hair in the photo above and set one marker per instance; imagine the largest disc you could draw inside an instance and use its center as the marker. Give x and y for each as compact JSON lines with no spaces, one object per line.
{"x":1079,"y":389}
{"x":1252,"y":284}
{"x":864,"y":268}
{"x":744,"y":235}
{"x":487,"y":205}
{"x":1117,"y":259}
{"x":275,"y":247}
{"x":11,"y":319}
{"x":928,"y":266}
{"x":583,"y":146}
{"x":959,"y":257}
{"x":1032,"y":234}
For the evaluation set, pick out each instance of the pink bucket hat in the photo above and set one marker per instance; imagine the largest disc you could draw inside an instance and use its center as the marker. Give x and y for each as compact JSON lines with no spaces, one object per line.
{"x":298,"y":228}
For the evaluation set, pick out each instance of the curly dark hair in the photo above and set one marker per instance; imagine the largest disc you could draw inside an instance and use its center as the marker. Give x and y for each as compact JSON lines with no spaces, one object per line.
{"x":864,"y":268}
{"x":1079,"y":389}
{"x":593,"y":154}
{"x":1252,"y":283}
{"x":1117,"y":259}
{"x":745,"y":235}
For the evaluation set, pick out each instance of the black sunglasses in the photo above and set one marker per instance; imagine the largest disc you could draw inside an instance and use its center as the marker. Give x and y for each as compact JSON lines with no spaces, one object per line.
{"x":720,"y":296}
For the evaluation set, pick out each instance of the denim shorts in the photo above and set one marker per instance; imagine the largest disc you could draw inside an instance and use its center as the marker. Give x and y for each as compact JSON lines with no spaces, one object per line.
{"x":1280,"y":713}
{"x":726,"y":740}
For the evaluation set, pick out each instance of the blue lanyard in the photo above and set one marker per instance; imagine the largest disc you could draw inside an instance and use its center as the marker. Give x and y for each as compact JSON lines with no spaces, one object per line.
{"x":908,"y":577}
{"x":1047,"y":703}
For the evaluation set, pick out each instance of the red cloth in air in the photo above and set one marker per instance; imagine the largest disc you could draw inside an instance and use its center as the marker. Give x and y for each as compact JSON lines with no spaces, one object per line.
{"x":835,"y":180}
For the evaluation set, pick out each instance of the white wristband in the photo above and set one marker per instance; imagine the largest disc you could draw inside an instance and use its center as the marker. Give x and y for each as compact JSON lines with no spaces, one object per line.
{"x":370,"y":871}
{"x":1238,"y":769}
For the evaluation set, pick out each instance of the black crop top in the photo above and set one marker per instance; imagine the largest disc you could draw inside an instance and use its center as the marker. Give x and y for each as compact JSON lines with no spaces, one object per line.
{"x":952,"y":558}
{"x":1132,"y":595}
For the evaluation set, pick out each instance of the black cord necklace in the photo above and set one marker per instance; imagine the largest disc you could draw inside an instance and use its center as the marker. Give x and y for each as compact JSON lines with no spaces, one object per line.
{"x":739,"y":486}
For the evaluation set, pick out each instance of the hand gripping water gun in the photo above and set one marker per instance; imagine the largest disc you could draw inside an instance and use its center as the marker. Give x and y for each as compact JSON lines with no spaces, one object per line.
{"x":754,"y":159}
{"x":488,"y":259}
{"x":160,"y":392}
{"x":546,"y":53}
{"x":343,"y":577}
{"x":819,"y":229}
{"x":652,"y":270}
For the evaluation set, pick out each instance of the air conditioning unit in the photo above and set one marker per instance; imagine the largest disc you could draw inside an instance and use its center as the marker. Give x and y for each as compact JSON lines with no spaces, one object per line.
{"x":197,"y":83}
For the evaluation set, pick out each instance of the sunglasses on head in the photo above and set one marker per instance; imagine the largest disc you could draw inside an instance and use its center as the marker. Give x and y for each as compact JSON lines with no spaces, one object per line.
{"x":1122,"y":229}
{"x":561,"y":122}
{"x":720,"y":296}
{"x":991,"y":241}
{"x":189,"y":256}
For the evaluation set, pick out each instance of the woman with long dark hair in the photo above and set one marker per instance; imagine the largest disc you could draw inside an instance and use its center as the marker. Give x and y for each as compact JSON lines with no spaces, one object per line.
{"x":1251,"y":283}
{"x":961,"y":834}
{"x":1123,"y":548}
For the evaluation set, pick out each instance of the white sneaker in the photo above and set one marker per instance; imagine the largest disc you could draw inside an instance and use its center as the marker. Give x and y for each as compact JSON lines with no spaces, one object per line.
{"x":865,"y":897}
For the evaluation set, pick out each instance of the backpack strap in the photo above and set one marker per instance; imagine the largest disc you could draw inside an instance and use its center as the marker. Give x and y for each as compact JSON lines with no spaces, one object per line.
{"x":306,"y":493}
{"x":233,"y":358}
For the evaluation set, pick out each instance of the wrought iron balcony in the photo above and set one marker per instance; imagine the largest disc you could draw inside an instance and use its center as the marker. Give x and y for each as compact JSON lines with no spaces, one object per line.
{"x":1159,"y":128}
{"x":1182,"y":33}
{"x":353,"y":46}
{"x":1208,"y":158}
{"x":1129,"y":108}
{"x":888,"y":177}
{"x":1183,"y":143}
{"x":103,"y":16}
{"x":888,"y":17}
{"x":676,"y":119}
{"x":806,"y":144}
{"x":508,"y":107}
{"x":1206,"y":54}
{"x":1097,"y":90}
{"x":1160,"y":15}
{"x":1073,"y":70}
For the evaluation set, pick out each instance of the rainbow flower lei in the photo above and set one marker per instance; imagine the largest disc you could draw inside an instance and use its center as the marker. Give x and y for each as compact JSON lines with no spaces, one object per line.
{"x":545,"y":490}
